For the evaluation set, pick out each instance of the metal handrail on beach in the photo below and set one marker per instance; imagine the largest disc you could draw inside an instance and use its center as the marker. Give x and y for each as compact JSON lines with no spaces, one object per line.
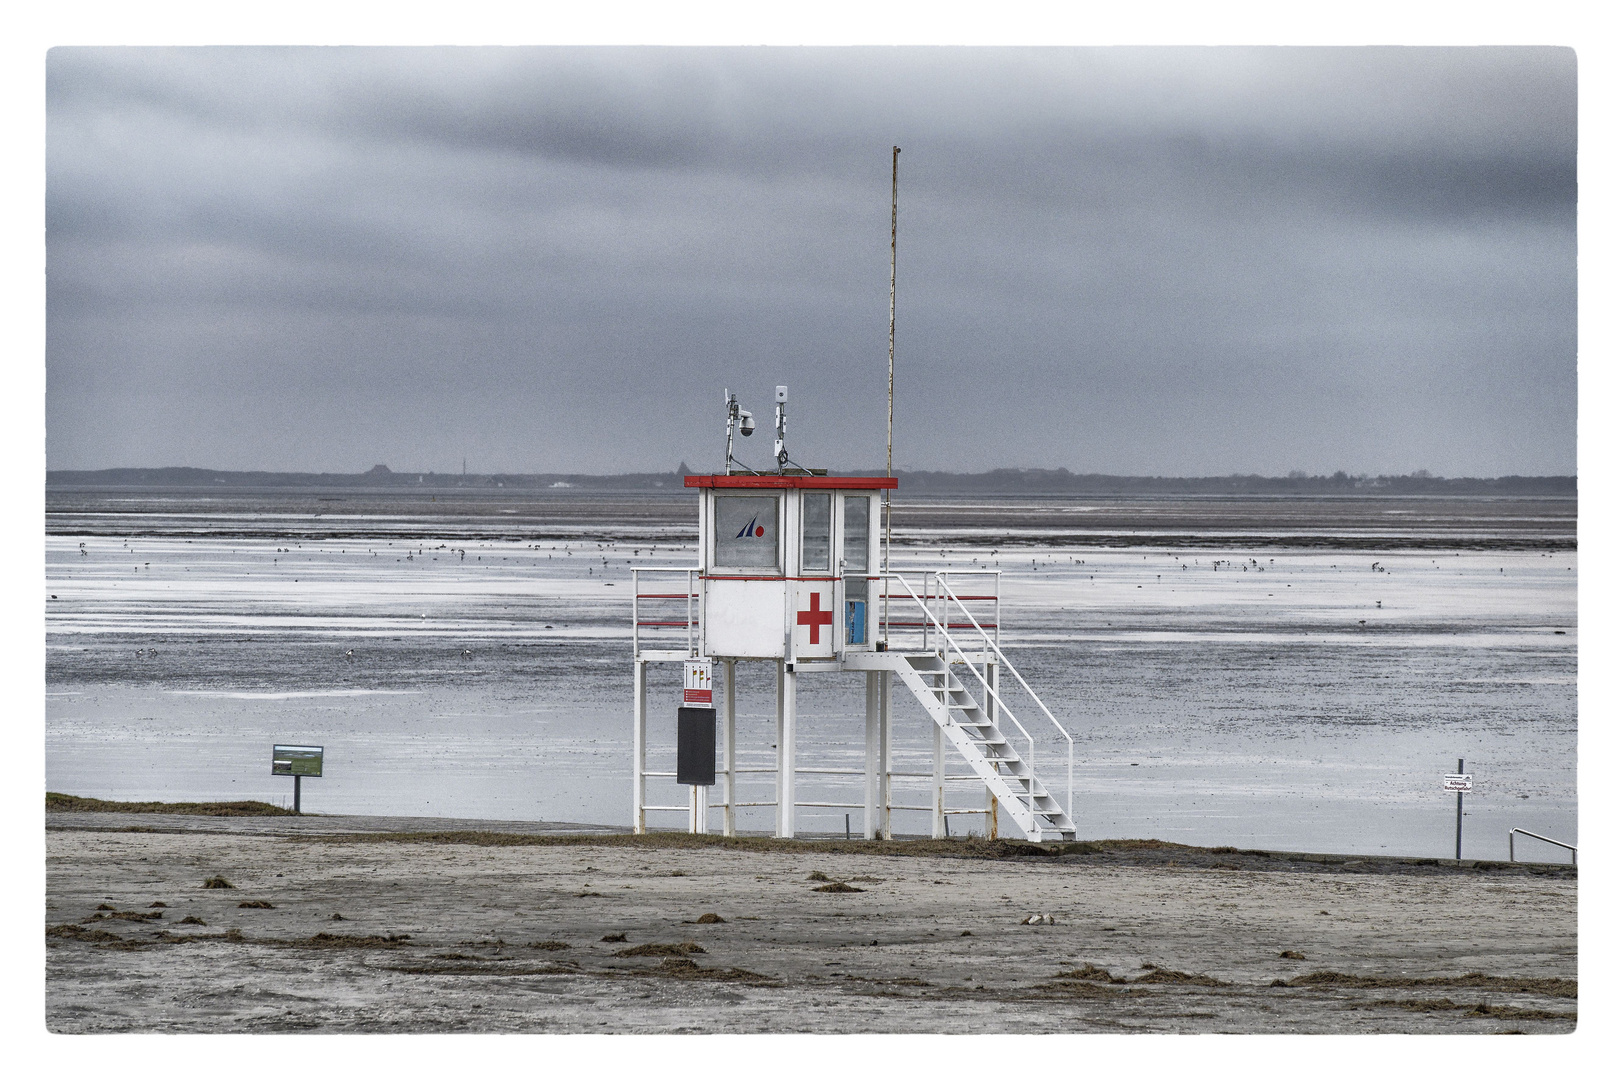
{"x":1070,"y":752}
{"x":939,"y":625}
{"x":689,"y":594}
{"x":1570,"y":847}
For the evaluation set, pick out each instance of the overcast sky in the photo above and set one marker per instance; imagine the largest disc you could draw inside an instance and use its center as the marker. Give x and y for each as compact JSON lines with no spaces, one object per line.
{"x":1142,"y":261}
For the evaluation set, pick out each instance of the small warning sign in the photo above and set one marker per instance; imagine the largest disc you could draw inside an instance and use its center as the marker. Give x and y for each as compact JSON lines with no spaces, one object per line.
{"x":1456,"y":781}
{"x":696,"y":685}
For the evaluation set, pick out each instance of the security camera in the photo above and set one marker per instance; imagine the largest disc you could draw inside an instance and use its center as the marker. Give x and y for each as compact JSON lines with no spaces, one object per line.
{"x":746,"y":423}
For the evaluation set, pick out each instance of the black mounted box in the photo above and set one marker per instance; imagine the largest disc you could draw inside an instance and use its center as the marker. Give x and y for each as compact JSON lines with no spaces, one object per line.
{"x":696,"y":747}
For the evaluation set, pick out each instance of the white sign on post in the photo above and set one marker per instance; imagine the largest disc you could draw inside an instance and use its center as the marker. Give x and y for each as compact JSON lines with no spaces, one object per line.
{"x":1456,"y":781}
{"x":696,"y":686}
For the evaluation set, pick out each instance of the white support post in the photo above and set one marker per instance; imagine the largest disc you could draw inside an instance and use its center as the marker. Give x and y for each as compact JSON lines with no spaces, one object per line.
{"x":698,"y":809}
{"x":991,"y":712}
{"x":938,"y":785}
{"x":884,"y":754}
{"x":786,"y":753}
{"x":639,"y":746}
{"x":870,"y":760}
{"x":728,"y":758}
{"x":778,"y":754}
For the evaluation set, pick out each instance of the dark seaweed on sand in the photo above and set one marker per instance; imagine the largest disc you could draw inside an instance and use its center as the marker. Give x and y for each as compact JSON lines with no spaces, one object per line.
{"x":656,"y":949}
{"x":1474,"y":980}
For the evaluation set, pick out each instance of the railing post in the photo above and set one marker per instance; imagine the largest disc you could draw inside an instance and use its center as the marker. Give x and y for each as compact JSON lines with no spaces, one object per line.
{"x":1031,"y":789}
{"x":924,"y":585}
{"x":997,"y":609}
{"x":991,"y":713}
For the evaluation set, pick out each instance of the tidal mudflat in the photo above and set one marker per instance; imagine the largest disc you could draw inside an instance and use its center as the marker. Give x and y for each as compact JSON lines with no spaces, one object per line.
{"x":347,"y":926}
{"x":1292,"y":674}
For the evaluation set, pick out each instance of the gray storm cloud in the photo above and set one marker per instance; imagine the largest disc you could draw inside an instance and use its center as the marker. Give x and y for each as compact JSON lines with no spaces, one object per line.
{"x":1174,"y":261}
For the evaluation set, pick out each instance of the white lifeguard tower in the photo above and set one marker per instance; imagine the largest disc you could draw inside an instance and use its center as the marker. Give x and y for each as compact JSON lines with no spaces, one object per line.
{"x":794,"y":572}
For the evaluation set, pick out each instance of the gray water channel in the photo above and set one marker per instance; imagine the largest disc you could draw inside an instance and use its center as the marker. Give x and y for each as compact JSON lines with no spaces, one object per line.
{"x":1224,"y":692}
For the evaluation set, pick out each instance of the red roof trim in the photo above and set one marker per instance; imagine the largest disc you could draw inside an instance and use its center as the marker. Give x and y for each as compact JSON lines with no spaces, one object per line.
{"x":844,"y":483}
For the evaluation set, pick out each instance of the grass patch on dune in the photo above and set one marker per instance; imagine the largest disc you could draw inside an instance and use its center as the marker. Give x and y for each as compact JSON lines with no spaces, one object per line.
{"x":55,"y":800}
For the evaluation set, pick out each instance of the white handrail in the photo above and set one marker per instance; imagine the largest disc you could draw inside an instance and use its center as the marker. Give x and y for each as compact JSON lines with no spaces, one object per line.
{"x":1031,"y":743}
{"x":1070,"y":764}
{"x":1570,"y":847}
{"x":692,"y":595}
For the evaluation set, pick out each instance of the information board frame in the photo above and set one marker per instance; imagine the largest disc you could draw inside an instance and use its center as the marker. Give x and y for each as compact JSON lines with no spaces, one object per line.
{"x":293,"y":760}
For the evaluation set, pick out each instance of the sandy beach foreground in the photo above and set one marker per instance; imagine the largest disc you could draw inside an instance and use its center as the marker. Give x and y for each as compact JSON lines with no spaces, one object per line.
{"x":360,"y":925}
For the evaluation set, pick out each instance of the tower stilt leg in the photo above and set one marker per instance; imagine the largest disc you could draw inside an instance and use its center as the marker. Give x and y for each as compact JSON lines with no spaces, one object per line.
{"x":884,"y":754}
{"x":938,"y":784}
{"x":639,"y":747}
{"x":728,"y":751}
{"x":870,"y":760}
{"x":786,"y":752}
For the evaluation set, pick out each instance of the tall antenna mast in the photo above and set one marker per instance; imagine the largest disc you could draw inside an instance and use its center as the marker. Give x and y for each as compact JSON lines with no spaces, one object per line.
{"x":890,"y":392}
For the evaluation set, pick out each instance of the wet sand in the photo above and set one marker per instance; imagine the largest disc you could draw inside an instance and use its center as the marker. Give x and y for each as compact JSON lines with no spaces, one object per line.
{"x":502,"y":931}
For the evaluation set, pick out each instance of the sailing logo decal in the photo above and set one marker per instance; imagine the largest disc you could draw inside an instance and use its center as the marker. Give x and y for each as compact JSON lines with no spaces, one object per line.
{"x":751,"y":529}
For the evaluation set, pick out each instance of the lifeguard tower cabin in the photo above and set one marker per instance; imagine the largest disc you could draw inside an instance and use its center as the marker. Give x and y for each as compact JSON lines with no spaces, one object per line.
{"x":794,"y":572}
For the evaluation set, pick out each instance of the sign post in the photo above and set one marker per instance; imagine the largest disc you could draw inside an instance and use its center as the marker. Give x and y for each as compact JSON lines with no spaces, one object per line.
{"x":1459,"y":783}
{"x":696,"y":742}
{"x":297,"y":762}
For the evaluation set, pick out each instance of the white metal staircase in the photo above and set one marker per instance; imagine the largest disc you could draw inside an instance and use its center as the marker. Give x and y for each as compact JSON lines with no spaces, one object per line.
{"x":965,"y":721}
{"x":987,"y":750}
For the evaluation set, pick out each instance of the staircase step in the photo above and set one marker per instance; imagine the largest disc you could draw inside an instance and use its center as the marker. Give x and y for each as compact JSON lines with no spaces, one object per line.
{"x":989,"y":752}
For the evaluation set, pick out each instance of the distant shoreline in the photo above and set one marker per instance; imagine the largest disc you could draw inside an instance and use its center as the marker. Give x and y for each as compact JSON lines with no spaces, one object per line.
{"x":1360,"y":520}
{"x":1008,"y":482}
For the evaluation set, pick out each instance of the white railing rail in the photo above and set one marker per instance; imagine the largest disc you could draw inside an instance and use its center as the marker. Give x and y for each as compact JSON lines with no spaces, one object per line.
{"x":690,"y":594}
{"x":939,"y":625}
{"x":932,"y":595}
{"x":1070,"y":742}
{"x":1570,"y":847}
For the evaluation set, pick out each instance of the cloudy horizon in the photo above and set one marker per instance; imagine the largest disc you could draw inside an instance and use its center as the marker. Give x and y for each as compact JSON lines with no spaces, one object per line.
{"x":1128,"y":261}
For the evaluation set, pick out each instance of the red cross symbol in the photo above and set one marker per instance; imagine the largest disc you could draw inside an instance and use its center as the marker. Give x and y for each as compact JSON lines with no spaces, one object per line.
{"x":815,"y":618}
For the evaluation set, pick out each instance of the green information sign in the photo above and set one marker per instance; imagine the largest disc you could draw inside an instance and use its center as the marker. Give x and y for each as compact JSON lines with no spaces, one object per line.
{"x":296,"y":761}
